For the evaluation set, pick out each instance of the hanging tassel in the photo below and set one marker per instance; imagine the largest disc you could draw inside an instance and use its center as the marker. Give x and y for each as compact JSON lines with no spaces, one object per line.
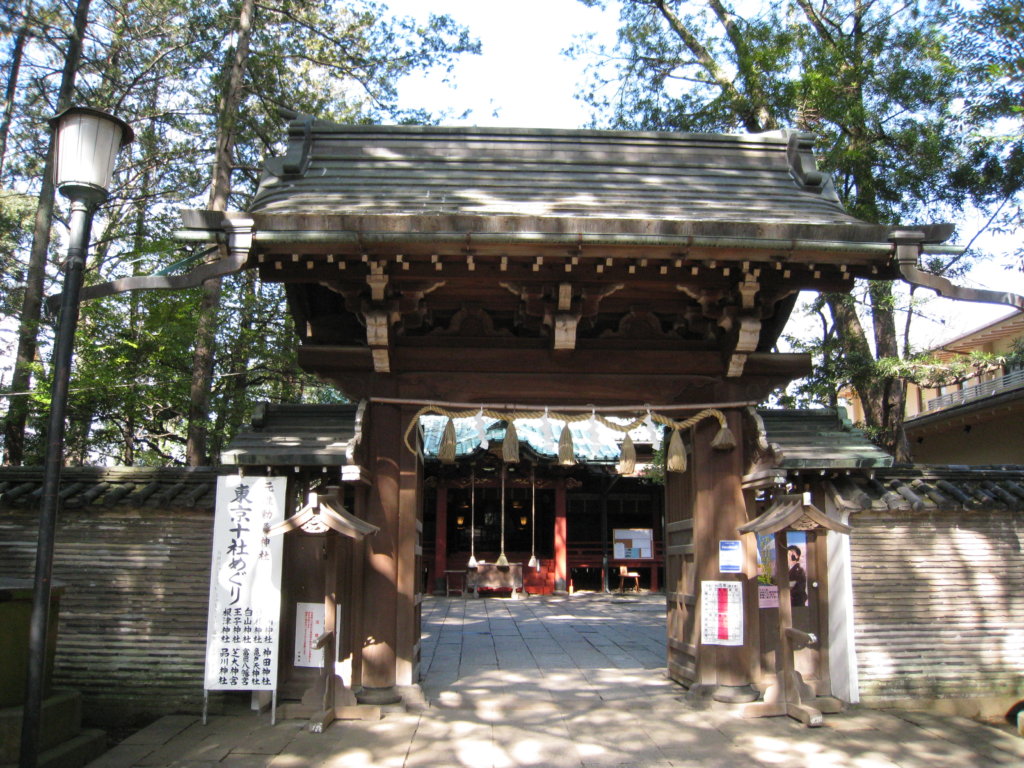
{"x":566,"y":451}
{"x":502,"y":560}
{"x":627,"y":457}
{"x":534,"y":563}
{"x":724,"y":440}
{"x":676,"y":460}
{"x":446,"y":451}
{"x":510,"y":447}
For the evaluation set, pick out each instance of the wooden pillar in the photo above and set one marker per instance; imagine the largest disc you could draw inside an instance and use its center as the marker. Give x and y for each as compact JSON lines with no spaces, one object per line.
{"x":658,"y":531}
{"x":561,"y":538}
{"x":719,"y":511}
{"x":380,"y":593}
{"x":441,"y":539}
{"x":355,"y":610}
{"x":410,"y":558}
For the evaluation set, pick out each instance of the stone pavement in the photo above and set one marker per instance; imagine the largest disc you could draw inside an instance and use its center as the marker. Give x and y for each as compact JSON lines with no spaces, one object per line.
{"x":562,"y":681}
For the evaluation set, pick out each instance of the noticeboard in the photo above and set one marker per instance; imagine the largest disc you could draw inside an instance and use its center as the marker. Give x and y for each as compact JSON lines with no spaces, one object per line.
{"x":721,"y":613}
{"x":633,"y":543}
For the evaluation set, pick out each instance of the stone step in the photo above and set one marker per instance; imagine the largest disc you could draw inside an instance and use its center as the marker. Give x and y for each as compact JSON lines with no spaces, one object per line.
{"x":61,"y":721}
{"x":73,"y":753}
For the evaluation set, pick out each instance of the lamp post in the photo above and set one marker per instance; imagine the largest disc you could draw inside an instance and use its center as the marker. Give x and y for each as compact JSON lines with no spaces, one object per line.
{"x":87,"y":143}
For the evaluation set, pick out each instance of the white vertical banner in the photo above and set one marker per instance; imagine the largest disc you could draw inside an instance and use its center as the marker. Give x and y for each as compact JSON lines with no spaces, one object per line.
{"x":243,"y":625}
{"x":721,"y":613}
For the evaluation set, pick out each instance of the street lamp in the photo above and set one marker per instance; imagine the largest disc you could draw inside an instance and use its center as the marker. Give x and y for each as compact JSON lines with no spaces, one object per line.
{"x":86,"y":144}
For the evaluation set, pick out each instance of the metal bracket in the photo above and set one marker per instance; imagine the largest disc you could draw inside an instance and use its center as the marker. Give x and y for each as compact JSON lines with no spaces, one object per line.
{"x":908,"y":251}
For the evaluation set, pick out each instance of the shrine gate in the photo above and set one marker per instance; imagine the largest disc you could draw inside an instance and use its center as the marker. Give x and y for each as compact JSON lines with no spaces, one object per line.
{"x":605,"y":273}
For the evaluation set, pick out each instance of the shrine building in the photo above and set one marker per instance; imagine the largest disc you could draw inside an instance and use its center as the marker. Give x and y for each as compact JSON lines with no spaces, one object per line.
{"x":508,"y":309}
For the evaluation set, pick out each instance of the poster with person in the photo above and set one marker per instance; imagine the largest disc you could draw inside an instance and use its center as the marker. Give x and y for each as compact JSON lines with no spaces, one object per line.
{"x":796,"y":555}
{"x":796,"y":548}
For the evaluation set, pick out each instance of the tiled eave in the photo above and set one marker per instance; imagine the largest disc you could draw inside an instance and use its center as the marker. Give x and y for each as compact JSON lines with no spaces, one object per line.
{"x":106,"y":487}
{"x":930,"y":488}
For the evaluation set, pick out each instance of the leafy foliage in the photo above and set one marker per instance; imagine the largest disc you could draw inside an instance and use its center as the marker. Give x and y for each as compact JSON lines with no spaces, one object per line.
{"x":916,"y":110}
{"x":161,"y":65}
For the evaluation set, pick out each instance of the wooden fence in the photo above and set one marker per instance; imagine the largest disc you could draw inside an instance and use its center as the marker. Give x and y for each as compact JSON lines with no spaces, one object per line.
{"x":133,"y":617}
{"x":939,"y":603}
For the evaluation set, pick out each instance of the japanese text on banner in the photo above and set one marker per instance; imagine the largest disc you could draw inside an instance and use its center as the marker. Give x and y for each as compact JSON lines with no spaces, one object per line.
{"x":245,"y":585}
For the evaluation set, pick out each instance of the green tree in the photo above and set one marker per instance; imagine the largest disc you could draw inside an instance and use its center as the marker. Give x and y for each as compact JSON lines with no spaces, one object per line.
{"x":299,"y":46}
{"x":991,"y":39}
{"x":165,"y":66}
{"x":881,"y":85}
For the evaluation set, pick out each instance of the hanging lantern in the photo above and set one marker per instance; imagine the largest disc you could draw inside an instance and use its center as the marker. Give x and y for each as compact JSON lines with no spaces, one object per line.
{"x":446,"y":451}
{"x":566,"y":451}
{"x":627,"y":457}
{"x":502,"y":560}
{"x":510,"y":446}
{"x":676,"y":459}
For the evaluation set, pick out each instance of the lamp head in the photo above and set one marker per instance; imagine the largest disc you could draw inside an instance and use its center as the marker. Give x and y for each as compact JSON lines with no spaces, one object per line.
{"x":88,"y":141}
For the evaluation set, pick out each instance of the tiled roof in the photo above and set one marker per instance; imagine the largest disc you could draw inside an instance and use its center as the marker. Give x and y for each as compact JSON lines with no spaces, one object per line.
{"x":818,"y":439}
{"x":113,"y":486}
{"x":512,"y":175}
{"x":923,"y":488}
{"x":296,"y":435}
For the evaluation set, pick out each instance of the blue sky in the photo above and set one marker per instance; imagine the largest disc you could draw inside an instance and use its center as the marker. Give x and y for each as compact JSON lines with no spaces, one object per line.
{"x":521,"y":79}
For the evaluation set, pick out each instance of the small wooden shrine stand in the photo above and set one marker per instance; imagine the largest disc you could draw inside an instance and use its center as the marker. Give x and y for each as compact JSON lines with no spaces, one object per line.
{"x":790,"y":695}
{"x":322,"y":512}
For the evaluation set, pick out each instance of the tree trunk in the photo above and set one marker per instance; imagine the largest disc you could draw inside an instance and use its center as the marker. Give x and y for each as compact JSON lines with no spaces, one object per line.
{"x":892,"y":391}
{"x":204,"y":354}
{"x":14,"y":68}
{"x":31,"y":307}
{"x":882,"y":398}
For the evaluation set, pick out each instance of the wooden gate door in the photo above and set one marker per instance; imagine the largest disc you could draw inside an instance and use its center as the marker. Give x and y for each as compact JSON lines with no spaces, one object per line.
{"x":680,"y":579}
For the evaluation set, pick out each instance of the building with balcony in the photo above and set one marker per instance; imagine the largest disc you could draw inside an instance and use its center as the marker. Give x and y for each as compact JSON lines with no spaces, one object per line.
{"x":977,"y":421}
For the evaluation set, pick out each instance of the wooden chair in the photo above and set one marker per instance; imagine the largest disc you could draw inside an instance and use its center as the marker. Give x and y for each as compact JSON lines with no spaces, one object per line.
{"x":625,"y":573}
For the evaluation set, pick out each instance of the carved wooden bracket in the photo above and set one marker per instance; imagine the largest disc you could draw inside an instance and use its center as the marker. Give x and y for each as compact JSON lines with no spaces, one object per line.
{"x":471,"y":320}
{"x":377,"y":280}
{"x":378,"y":330}
{"x":412,"y":305}
{"x":748,"y":291}
{"x":748,"y":333}
{"x":561,"y":309}
{"x":708,"y":298}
